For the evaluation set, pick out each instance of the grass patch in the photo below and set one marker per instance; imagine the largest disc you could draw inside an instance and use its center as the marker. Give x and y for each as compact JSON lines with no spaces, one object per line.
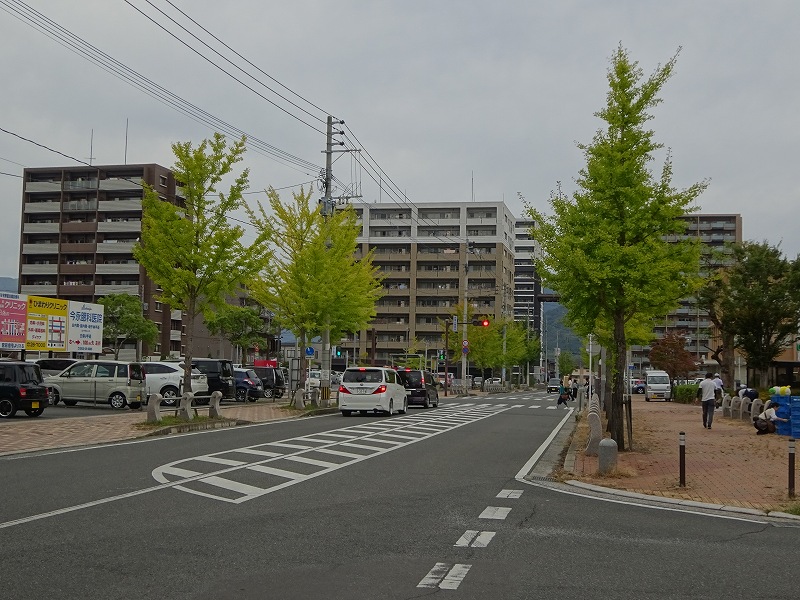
{"x":172,"y":421}
{"x":618,"y":472}
{"x":793,"y":509}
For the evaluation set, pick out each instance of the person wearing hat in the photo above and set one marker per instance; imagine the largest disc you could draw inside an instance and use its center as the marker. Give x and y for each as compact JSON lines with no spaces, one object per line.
{"x":718,"y":391}
{"x":746,"y":392}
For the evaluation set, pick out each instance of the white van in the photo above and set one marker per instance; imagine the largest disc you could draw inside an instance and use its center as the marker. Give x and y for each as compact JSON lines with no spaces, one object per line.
{"x":657,"y":386}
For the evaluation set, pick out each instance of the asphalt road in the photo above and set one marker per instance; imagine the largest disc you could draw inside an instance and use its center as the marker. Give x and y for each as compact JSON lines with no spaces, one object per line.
{"x":361,"y":508}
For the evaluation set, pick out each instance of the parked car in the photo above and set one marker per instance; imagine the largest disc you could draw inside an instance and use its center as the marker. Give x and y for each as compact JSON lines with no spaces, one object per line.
{"x":166,"y":378}
{"x":54,"y":366}
{"x":313,"y":379}
{"x":372,"y":389}
{"x":21,"y":388}
{"x":117,"y":382}
{"x":273,"y":381}
{"x":248,"y":385}
{"x":219,"y":373}
{"x":477,"y":381}
{"x":637,"y":386}
{"x":420,"y":387}
{"x":553,"y":385}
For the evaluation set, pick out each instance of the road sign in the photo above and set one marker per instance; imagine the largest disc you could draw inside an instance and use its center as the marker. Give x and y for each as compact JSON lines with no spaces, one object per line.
{"x":455,"y":324}
{"x":309,"y":351}
{"x":465,"y":343}
{"x":465,"y":350}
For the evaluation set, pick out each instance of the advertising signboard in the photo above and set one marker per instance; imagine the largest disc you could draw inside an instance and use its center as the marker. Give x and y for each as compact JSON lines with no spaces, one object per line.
{"x":85,"y":333}
{"x":47,"y":324}
{"x":13,"y":311}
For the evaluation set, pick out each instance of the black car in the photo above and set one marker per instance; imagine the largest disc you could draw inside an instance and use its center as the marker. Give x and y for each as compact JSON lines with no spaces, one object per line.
{"x":272,"y":380}
{"x":420,"y":386}
{"x":21,"y":388}
{"x":219,"y":373}
{"x":248,"y":385}
{"x":553,"y":385}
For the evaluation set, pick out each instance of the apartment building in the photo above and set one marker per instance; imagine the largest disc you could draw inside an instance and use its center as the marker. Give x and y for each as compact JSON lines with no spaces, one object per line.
{"x":79,"y":226}
{"x":429,"y":253}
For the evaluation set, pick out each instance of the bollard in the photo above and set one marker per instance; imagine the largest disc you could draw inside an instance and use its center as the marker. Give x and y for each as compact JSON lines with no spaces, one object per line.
{"x":682,"y":454}
{"x":607,"y":456}
{"x":791,"y":468}
{"x":185,"y":409}
{"x":213,"y":405}
{"x":154,"y":408}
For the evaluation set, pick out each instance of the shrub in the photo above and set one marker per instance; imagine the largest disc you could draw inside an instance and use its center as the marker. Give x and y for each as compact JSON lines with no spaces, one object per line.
{"x":685,"y":394}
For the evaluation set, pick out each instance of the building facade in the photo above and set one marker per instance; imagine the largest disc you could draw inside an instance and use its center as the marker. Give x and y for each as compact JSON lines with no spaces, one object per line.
{"x":79,"y":226}
{"x":428,"y":254}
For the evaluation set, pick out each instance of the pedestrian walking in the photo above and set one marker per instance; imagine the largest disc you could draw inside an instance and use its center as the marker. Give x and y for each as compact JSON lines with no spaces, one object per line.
{"x":574,"y":386}
{"x":718,"y":389}
{"x":706,"y":395}
{"x":563,"y":395}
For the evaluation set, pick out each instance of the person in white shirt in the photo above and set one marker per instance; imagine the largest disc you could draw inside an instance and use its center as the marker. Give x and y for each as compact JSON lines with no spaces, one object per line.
{"x":705,"y":392}
{"x":765,"y":422}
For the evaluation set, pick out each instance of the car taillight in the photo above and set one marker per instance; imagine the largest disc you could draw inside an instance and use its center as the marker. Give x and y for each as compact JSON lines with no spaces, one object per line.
{"x":23,"y":391}
{"x":249,"y":382}
{"x":380,"y":390}
{"x":343,"y":390}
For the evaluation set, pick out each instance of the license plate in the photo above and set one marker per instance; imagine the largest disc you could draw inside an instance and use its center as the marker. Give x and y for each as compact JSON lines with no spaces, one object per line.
{"x":359,"y":391}
{"x":34,"y":405}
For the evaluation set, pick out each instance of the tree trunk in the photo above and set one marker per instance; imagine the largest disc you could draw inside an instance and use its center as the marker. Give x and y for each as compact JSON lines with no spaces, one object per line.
{"x":728,"y":363}
{"x":189,"y":354}
{"x":615,"y":419}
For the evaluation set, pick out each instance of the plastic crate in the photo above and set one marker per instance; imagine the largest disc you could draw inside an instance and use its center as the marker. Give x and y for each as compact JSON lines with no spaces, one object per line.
{"x":794,"y":407}
{"x":783,"y":410}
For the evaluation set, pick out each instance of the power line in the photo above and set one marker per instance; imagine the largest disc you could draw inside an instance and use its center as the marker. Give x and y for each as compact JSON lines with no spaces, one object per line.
{"x":10,"y":174}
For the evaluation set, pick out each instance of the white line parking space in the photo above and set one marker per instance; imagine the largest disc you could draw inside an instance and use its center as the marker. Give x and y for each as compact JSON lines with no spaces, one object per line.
{"x":251,"y":472}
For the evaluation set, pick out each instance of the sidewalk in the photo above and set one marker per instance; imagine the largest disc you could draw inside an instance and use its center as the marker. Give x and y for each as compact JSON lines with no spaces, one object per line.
{"x":727,"y":464}
{"x":27,"y":435}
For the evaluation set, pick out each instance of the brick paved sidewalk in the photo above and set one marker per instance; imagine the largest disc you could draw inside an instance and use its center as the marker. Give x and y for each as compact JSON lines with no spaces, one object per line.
{"x":23,"y":435}
{"x":728,"y":464}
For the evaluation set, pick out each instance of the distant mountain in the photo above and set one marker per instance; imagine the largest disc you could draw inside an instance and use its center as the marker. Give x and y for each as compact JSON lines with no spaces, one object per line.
{"x":559,"y":335}
{"x":8,"y":284}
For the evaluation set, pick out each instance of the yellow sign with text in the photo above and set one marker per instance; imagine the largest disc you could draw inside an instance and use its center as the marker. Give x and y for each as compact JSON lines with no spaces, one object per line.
{"x":46,"y":324}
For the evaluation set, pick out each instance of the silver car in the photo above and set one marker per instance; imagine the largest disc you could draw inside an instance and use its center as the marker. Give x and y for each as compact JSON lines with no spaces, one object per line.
{"x":114,"y":382}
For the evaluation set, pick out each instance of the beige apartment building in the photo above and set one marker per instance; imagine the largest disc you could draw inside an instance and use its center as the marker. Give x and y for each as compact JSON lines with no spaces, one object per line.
{"x":429,"y":253}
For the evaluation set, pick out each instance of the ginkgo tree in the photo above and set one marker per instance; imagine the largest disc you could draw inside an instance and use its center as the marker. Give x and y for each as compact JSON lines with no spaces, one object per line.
{"x":191,"y":249}
{"x":605,"y":249}
{"x":315,"y":279}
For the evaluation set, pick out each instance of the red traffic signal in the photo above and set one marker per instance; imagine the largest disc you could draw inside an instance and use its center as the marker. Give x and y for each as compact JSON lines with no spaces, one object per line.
{"x":481,"y":322}
{"x":485,"y":323}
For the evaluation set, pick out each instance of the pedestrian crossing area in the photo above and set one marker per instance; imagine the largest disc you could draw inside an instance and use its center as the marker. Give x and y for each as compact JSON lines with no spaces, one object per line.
{"x":243,"y":474}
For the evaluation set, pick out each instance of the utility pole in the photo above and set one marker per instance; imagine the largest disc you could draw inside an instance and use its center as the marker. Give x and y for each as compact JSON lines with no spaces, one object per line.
{"x":465,"y":343}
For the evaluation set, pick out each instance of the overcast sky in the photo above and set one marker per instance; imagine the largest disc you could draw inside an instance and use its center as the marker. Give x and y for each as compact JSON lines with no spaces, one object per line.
{"x":440,"y":93}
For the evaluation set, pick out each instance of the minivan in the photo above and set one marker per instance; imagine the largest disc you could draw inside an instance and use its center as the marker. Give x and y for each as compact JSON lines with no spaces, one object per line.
{"x":21,"y":388}
{"x":273,"y":381}
{"x":219,"y":373}
{"x":371,"y":389}
{"x":420,"y":386}
{"x":657,"y":386}
{"x":116,"y":382}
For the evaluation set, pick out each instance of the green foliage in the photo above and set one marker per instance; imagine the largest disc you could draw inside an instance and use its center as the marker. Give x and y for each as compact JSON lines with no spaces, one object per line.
{"x":315,"y":281}
{"x":123,"y":321}
{"x":566,"y":364}
{"x":241,"y":325}
{"x":604,"y":249}
{"x":190,"y":249}
{"x":685,"y":394}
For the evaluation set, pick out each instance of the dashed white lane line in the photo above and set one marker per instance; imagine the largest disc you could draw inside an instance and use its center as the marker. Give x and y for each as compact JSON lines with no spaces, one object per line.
{"x":551,"y":407}
{"x":445,"y":577}
{"x":509,"y":494}
{"x":495,"y":512}
{"x":475,"y":539}
{"x":535,"y":406}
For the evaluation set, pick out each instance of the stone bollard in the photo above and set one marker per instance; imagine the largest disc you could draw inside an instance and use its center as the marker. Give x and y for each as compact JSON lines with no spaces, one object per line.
{"x":213,"y":407}
{"x":595,"y":434}
{"x":299,"y":402}
{"x":607,"y":456}
{"x":154,"y":408}
{"x":185,"y":411}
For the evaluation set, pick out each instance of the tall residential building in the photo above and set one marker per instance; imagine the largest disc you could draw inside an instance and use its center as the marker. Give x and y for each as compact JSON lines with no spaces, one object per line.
{"x":422,"y":251}
{"x":79,"y":226}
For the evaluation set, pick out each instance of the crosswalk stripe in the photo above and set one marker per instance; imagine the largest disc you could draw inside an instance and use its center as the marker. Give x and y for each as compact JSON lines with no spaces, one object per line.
{"x":234,"y":486}
{"x":288,"y":445}
{"x":454,"y":578}
{"x":220,"y":461}
{"x":362,"y":446}
{"x":495,"y":512}
{"x":258,"y":452}
{"x":311,"y":461}
{"x":339,"y":453}
{"x":274,"y":471}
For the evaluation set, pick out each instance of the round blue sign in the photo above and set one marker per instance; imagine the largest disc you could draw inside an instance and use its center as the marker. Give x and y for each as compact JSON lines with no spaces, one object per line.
{"x":309,"y":351}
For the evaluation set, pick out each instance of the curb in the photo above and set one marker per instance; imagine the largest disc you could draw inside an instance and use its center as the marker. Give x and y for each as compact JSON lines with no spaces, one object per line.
{"x":189,"y":427}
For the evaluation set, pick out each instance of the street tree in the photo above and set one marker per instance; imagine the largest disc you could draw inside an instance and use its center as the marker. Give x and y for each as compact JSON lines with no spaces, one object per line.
{"x":123,"y":321}
{"x":605,"y":249}
{"x":242,"y":326}
{"x":669,"y":354}
{"x":566,"y":364}
{"x":189,"y":248}
{"x":315,"y":280}
{"x":760,"y":303}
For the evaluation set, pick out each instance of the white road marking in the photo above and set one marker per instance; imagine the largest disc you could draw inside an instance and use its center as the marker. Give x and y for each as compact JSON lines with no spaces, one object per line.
{"x":219,"y":460}
{"x":535,"y":406}
{"x":234,"y":486}
{"x":475,"y":539}
{"x":287,"y":445}
{"x":278,"y":472}
{"x":311,"y":461}
{"x":362,"y":446}
{"x":444,"y":577}
{"x":551,"y":407}
{"x":258,"y":452}
{"x":509,"y":494}
{"x":178,"y":472}
{"x":518,"y":406}
{"x":338,"y":452}
{"x":495,"y":512}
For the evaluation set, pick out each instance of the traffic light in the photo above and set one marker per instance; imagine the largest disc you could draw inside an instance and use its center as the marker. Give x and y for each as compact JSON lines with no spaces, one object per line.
{"x":442,"y":355}
{"x":482,"y":322}
{"x":338,"y":352}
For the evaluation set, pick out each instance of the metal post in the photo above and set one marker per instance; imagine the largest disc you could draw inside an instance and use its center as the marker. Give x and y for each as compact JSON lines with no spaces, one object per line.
{"x":791,"y":468}
{"x":446,"y":352}
{"x":682,"y":449}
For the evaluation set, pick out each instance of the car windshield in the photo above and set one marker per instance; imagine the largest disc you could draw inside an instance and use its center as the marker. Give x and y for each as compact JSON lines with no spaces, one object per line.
{"x":658,"y":379}
{"x":363,"y":376}
{"x":226,"y":368}
{"x":31,"y":374}
{"x":136,"y":371}
{"x":554,"y":381}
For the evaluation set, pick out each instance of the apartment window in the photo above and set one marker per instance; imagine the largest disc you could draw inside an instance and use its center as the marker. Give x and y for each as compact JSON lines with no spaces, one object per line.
{"x":162,"y":181}
{"x":158,"y":306}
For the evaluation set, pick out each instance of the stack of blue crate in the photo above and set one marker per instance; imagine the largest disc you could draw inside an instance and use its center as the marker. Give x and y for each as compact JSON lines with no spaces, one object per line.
{"x":783,"y":406}
{"x":794,"y":424}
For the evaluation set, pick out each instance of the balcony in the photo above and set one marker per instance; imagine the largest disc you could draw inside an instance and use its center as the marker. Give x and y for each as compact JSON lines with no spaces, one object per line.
{"x":127,"y":204}
{"x":76,"y":290}
{"x":39,"y":289}
{"x":79,"y":205}
{"x":133,"y":226}
{"x":80,"y":185}
{"x":50,"y":248}
{"x":79,"y":227}
{"x":51,"y":269}
{"x":117,"y":269}
{"x":119,"y":184}
{"x":103,"y":290}
{"x":40,"y":228}
{"x":176,"y":315}
{"x":37,"y":208}
{"x":77,"y":269}
{"x":43,"y":186}
{"x":174,"y":335}
{"x":115,"y":247}
{"x":78,"y":247}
